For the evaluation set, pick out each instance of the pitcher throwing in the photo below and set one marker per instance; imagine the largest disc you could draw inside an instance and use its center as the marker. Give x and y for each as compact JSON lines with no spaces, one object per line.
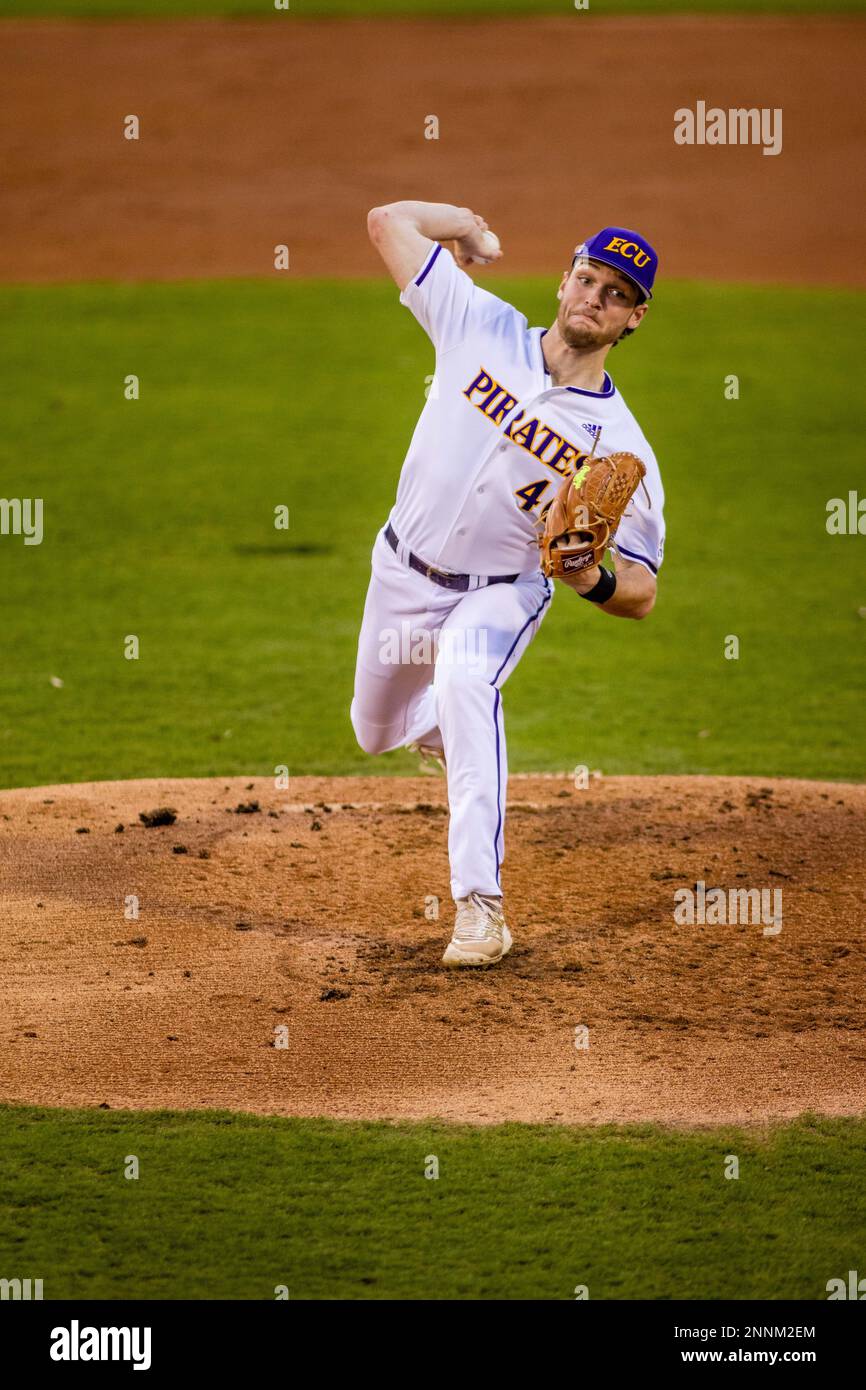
{"x":525,"y":465}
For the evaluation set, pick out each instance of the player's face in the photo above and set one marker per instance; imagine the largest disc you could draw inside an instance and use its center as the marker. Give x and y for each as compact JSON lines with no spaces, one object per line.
{"x":596,"y":303}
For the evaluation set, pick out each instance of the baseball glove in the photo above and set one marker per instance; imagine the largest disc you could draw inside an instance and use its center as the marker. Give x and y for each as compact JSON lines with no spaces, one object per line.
{"x":583,"y":516}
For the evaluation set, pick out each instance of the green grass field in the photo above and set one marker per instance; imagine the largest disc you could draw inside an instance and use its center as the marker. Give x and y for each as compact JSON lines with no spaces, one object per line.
{"x":230,"y":1206}
{"x":446,"y":9}
{"x":158,"y":522}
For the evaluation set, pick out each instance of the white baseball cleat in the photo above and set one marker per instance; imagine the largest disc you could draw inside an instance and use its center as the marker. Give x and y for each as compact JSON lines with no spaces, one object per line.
{"x":480,"y":934}
{"x":428,"y":755}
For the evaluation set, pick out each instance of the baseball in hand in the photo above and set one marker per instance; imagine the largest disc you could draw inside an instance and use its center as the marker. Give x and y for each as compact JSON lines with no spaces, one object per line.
{"x":489,"y":247}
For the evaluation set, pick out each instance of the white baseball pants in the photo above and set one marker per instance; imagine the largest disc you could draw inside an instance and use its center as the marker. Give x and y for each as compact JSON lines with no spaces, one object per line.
{"x":431,"y":666}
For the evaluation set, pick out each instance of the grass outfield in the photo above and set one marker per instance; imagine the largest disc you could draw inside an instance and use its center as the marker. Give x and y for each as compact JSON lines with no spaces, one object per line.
{"x":252,"y":9}
{"x":158,"y":522}
{"x":230,"y":1206}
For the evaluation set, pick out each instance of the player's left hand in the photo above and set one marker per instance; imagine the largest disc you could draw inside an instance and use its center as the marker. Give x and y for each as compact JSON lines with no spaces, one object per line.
{"x":585,"y":580}
{"x":583,"y":517}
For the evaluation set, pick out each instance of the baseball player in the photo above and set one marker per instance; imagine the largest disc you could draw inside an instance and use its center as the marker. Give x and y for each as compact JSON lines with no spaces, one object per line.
{"x":457,"y":591}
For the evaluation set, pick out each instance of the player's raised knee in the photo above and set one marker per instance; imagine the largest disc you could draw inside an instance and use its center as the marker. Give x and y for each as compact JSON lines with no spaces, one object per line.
{"x":372,"y":738}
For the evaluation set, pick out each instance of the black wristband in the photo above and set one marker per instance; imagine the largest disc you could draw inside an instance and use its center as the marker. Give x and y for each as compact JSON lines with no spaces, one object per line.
{"x":604,"y":589}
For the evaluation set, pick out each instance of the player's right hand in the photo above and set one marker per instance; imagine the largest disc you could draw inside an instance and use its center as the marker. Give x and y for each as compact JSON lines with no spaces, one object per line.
{"x":471,"y":245}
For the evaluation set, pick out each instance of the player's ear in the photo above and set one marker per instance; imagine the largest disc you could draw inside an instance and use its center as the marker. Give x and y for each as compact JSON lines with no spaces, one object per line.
{"x":636,"y":315}
{"x":562,"y":284}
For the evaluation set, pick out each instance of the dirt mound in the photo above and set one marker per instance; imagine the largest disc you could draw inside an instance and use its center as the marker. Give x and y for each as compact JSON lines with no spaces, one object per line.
{"x":312,"y":911}
{"x":286,"y":131}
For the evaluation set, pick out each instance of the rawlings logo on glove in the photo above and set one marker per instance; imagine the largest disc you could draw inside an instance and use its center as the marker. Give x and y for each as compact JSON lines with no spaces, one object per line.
{"x":583,"y":516}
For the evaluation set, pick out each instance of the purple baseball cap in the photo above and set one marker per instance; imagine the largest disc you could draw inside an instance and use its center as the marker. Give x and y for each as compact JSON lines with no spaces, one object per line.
{"x":626,"y":251}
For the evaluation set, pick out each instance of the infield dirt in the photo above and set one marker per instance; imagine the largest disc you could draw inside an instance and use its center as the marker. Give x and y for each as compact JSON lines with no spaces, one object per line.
{"x":286,"y":131}
{"x":310,"y":913}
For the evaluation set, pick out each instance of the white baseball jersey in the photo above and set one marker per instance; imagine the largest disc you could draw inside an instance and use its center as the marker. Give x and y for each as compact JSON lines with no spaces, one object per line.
{"x":497,"y":437}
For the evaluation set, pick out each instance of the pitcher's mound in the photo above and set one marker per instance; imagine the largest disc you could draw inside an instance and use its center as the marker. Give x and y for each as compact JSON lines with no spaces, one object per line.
{"x":279,"y":951}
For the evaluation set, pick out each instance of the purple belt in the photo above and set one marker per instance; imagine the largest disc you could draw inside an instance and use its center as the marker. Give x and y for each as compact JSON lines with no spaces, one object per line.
{"x":442,"y":577}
